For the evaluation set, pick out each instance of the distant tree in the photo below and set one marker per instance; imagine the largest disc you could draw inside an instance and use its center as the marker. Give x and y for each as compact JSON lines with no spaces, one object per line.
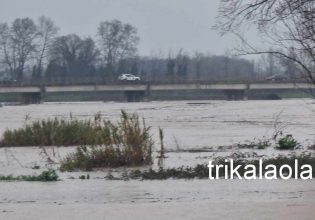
{"x":134,"y":67}
{"x":288,"y":25}
{"x":198,"y":64}
{"x":117,"y":41}
{"x":182,"y":62}
{"x":290,"y":67}
{"x":271,"y":64}
{"x":5,"y":44}
{"x":17,"y":43}
{"x":47,"y":32}
{"x":73,"y":55}
{"x":171,"y":66}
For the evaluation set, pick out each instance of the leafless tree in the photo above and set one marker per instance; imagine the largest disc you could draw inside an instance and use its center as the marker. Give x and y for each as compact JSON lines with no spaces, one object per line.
{"x":5,"y":58}
{"x":17,"y":43}
{"x":182,"y":61}
{"x":75,"y":56}
{"x":198,"y":64}
{"x":47,"y":32}
{"x":287,"y":25}
{"x":117,"y":41}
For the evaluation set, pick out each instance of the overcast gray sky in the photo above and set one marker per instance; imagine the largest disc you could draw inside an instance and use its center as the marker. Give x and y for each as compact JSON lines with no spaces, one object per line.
{"x":161,"y":24}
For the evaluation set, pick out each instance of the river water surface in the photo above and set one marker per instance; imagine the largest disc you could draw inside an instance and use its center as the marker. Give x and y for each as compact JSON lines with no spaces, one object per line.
{"x":188,"y":126}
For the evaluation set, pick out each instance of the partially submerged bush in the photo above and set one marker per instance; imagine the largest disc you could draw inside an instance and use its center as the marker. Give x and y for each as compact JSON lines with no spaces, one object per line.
{"x":287,"y":143}
{"x":127,"y":143}
{"x":53,"y":132}
{"x":45,"y":176}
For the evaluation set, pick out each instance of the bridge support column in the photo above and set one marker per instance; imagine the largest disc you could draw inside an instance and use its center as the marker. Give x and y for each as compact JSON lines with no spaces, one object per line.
{"x":147,"y":94}
{"x":135,"y":96}
{"x":31,"y":98}
{"x":235,"y":94}
{"x":246,"y":92}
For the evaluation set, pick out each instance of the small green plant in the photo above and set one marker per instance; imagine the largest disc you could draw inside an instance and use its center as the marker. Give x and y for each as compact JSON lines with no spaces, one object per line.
{"x":84,"y":177}
{"x":287,"y":143}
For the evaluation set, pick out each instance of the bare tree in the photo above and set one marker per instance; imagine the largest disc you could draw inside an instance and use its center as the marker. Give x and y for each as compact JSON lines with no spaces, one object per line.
{"x":47,"y":32}
{"x":117,"y":41}
{"x":182,"y":61}
{"x":5,"y":44}
{"x":17,"y":45}
{"x":287,"y":25}
{"x":23,"y":35}
{"x":73,"y":56}
{"x":198,"y":64}
{"x":171,"y":66}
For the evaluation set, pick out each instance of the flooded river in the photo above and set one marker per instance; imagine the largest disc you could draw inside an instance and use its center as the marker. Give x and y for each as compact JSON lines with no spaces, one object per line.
{"x":188,"y":125}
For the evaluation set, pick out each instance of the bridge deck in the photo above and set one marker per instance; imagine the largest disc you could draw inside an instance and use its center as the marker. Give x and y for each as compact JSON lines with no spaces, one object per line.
{"x":155,"y":87}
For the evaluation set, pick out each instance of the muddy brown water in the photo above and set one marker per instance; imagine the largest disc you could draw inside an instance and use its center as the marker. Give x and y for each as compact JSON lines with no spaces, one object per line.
{"x":188,"y":126}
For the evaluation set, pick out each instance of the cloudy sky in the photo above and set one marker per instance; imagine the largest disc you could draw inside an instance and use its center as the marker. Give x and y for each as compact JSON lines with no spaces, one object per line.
{"x":161,"y":24}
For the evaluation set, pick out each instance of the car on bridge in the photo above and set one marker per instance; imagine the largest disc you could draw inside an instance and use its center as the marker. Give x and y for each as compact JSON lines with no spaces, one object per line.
{"x":128,"y":77}
{"x":277,"y":77}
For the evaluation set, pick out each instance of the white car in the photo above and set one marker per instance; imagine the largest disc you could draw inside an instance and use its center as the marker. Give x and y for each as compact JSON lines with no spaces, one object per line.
{"x":128,"y":77}
{"x":278,"y":77}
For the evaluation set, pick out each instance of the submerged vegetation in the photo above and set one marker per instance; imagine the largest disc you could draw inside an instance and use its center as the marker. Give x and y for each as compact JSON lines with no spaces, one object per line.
{"x":127,"y":143}
{"x":59,"y":132}
{"x":101,"y":143}
{"x":259,"y":144}
{"x":45,"y":176}
{"x":201,"y":171}
{"x":280,"y":141}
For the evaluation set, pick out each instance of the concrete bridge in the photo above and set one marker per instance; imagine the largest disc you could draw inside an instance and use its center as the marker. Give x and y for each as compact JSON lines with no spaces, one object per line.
{"x":140,"y":91}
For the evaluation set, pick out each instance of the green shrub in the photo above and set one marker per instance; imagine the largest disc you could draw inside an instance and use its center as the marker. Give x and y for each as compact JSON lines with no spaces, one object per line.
{"x":287,"y":143}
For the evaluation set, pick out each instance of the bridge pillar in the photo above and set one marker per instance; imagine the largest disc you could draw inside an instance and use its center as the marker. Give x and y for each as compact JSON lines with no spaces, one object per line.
{"x":31,"y":98}
{"x":235,"y":94}
{"x":135,"y":96}
{"x":147,"y":94}
{"x":246,"y":93}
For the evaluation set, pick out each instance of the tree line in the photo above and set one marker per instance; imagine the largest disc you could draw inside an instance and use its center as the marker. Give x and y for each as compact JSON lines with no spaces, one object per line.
{"x":33,"y":51}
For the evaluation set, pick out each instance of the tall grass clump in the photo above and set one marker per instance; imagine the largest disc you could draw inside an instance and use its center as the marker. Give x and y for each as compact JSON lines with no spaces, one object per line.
{"x":125,"y":143}
{"x":52,"y":132}
{"x":72,"y":132}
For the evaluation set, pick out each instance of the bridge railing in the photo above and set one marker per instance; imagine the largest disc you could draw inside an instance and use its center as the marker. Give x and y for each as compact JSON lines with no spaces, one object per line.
{"x":104,"y":81}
